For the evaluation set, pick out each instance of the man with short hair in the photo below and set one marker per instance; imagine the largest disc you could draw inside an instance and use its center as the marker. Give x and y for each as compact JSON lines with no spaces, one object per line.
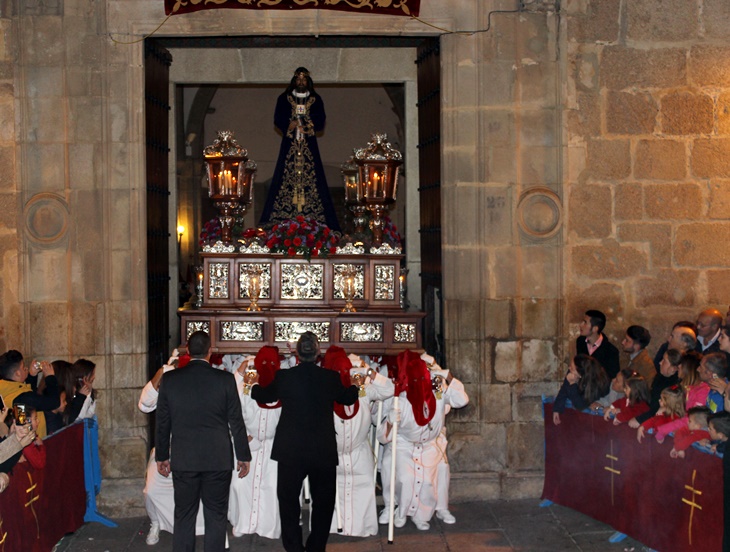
{"x":198,"y":410}
{"x":682,"y":338}
{"x":709,"y":322}
{"x":305,"y":444}
{"x":712,"y":370}
{"x":592,"y":341}
{"x":634,"y":344}
{"x":18,"y":386}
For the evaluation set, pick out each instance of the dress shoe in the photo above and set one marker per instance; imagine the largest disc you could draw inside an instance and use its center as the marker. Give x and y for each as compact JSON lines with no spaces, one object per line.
{"x":445,"y":516}
{"x":384,"y":516}
{"x":397,"y":520}
{"x":153,"y":537}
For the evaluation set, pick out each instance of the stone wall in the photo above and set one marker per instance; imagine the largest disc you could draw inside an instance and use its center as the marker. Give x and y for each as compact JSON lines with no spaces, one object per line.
{"x":647,"y":96}
{"x":585,"y":164}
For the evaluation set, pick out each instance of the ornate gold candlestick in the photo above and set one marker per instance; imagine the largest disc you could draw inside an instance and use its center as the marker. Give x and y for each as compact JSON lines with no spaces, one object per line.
{"x":254,"y":289}
{"x":347,"y":284}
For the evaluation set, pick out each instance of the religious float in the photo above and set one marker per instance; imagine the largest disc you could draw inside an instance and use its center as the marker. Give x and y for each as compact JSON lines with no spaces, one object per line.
{"x":261,"y":287}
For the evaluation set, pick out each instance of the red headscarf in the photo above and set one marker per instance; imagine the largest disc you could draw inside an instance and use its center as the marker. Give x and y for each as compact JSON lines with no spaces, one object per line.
{"x":415,"y":379}
{"x":336,"y":359}
{"x":267,"y":364}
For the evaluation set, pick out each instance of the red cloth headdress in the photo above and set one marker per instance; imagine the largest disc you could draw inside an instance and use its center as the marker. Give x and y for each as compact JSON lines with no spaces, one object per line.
{"x":336,"y":359}
{"x":267,"y":364}
{"x":415,"y":379}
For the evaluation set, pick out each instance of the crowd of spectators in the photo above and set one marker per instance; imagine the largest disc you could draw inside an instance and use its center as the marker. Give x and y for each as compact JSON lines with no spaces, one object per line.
{"x":39,"y":399}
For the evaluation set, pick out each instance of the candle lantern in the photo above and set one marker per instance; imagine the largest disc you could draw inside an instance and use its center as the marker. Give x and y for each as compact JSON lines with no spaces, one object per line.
{"x":353,"y":193}
{"x":230,"y":179}
{"x":378,"y":166}
{"x":199,"y":285}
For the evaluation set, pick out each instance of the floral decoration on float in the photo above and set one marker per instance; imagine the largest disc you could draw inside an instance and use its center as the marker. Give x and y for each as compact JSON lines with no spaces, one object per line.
{"x":302,"y":236}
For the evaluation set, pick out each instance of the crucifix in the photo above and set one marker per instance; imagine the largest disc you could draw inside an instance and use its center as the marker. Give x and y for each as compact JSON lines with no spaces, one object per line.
{"x":614,"y":471}
{"x":692,"y":502}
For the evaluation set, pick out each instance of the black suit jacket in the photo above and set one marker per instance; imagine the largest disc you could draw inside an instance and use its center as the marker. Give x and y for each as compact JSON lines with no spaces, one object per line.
{"x":306,"y":430}
{"x":199,"y":409}
{"x":606,"y":354}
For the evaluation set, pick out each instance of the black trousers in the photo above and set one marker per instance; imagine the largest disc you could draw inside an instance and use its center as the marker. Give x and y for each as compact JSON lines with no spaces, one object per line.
{"x":322,"y":485}
{"x":189,"y":488}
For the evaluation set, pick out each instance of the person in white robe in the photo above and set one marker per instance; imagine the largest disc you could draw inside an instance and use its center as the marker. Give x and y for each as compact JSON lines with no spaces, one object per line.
{"x":159,"y":497}
{"x":253,"y":507}
{"x":355,"y":483}
{"x":420,"y":415}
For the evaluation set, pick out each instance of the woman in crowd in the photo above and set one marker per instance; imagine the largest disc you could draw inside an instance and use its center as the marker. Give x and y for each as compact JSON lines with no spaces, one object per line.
{"x":584,"y":384}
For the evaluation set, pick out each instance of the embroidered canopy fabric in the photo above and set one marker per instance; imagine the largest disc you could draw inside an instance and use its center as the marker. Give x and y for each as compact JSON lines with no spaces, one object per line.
{"x":599,"y":469}
{"x":384,"y":7}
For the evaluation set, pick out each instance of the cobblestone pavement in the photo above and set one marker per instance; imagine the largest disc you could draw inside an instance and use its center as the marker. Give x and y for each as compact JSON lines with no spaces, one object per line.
{"x":495,"y":526}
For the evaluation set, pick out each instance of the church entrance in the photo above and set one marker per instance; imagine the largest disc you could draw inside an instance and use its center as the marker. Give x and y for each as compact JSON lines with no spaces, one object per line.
{"x":369,"y":84}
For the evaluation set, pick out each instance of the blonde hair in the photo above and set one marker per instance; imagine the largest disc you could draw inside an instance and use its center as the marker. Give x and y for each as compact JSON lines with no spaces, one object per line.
{"x":674,"y":401}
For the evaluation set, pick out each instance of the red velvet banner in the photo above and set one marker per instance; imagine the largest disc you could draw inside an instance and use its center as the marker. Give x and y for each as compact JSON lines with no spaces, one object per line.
{"x":383,"y":7}
{"x":602,"y":471}
{"x":40,"y":506}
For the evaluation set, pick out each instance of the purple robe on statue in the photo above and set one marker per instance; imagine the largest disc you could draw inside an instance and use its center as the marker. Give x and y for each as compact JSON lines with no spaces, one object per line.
{"x":299,"y":186}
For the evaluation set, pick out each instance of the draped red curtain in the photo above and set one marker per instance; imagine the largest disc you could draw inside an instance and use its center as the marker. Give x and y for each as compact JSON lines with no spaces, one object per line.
{"x":602,"y":471}
{"x":41,"y":506}
{"x":384,"y":7}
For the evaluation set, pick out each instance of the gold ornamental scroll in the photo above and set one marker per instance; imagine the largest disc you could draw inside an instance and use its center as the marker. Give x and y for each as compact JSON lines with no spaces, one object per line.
{"x":381,"y":7}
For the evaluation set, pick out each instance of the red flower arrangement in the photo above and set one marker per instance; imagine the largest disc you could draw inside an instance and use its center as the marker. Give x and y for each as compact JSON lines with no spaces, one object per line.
{"x":302,"y":236}
{"x":211,"y":232}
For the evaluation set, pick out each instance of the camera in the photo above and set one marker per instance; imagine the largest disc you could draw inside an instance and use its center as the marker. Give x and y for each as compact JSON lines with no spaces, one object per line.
{"x":21,"y":414}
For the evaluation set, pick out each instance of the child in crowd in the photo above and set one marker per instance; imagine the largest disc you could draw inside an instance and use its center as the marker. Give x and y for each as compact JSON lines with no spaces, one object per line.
{"x":616,"y":392}
{"x":35,"y":453}
{"x":671,"y":407}
{"x":719,"y":430}
{"x":695,"y":430}
{"x":585,"y":383}
{"x":635,"y":402}
{"x":667,"y":377}
{"x":695,"y":389}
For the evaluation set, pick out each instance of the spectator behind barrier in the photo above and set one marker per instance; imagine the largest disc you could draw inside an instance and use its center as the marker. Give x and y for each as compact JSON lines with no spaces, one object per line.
{"x":667,"y":376}
{"x":694,"y":431}
{"x":695,"y":391}
{"x":616,"y":391}
{"x":83,"y":404}
{"x":585,"y":382}
{"x":719,"y":430}
{"x":55,"y":419}
{"x":635,"y":402}
{"x":671,"y":407}
{"x":712,"y":371}
{"x":34,"y":453}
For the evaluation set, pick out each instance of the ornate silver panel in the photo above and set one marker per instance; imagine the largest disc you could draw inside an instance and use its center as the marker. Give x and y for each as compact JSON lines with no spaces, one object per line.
{"x":291,"y":331}
{"x":338,"y":269}
{"x":192,"y":326}
{"x":265,"y":282}
{"x":242,"y":331}
{"x":404,"y":333}
{"x":361,"y":331}
{"x":218,"y":281}
{"x":384,"y":282}
{"x":302,"y":281}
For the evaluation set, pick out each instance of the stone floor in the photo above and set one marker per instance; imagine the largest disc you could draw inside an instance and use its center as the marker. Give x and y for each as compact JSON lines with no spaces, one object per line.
{"x":480,"y":527}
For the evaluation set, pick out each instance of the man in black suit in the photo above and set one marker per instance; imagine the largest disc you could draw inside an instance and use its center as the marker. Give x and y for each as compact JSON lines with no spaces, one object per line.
{"x":305,"y":444}
{"x":592,"y":341}
{"x":199,"y":406}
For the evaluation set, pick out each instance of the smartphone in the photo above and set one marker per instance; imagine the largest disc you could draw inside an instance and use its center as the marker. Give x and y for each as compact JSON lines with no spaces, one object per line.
{"x":21,"y":415}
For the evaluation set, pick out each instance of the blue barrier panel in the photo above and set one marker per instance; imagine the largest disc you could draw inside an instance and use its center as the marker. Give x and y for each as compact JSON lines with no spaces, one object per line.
{"x":92,"y":472}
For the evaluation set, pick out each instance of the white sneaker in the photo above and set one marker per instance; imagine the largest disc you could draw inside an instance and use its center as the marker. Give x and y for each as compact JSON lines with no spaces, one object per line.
{"x":397,"y":520}
{"x":384,"y":516}
{"x":445,"y":516}
{"x":421,"y":525}
{"x":153,"y":537}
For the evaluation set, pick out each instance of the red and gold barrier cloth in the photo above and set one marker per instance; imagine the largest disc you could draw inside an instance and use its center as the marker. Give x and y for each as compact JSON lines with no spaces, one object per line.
{"x":384,"y":7}
{"x":40,"y":506}
{"x":602,"y":471}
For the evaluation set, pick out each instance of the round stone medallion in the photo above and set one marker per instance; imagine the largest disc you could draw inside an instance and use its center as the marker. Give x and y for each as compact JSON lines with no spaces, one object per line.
{"x":540,"y":213}
{"x":46,"y":218}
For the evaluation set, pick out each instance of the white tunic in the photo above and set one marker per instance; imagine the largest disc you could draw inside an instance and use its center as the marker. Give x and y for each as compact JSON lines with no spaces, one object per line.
{"x":159,"y":496}
{"x":455,"y":396}
{"x":355,"y":484}
{"x":253,"y":506}
{"x":418,"y":456}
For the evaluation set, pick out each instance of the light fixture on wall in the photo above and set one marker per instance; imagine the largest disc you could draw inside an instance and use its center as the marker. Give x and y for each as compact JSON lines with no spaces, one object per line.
{"x":230,"y":179}
{"x":180,"y":232}
{"x":378,"y":165}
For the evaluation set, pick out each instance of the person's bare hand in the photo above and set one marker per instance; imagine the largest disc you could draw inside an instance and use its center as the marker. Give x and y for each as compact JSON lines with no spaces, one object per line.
{"x":556,"y":418}
{"x":243,"y":468}
{"x":47,"y":369}
{"x":719,"y":385}
{"x":4,"y":413}
{"x":24,"y":434}
{"x":163,"y":468}
{"x":634,"y":423}
{"x":639,"y":434}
